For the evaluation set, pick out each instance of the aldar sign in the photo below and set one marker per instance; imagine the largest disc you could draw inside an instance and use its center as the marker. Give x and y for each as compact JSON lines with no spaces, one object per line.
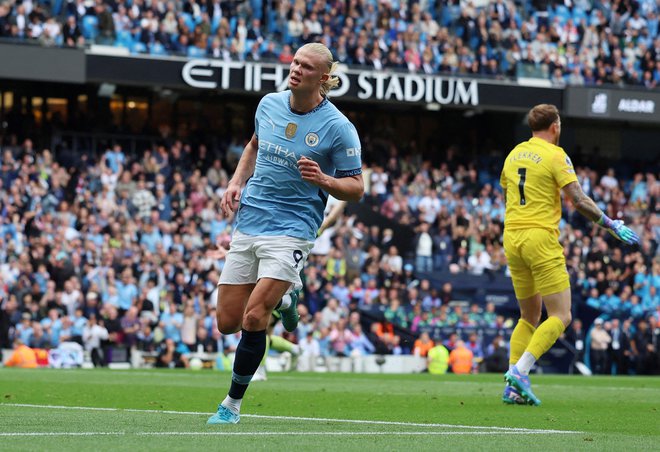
{"x":365,"y":85}
{"x":617,"y":104}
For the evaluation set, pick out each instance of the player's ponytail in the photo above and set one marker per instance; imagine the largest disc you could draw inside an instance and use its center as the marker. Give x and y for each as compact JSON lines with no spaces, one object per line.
{"x":333,"y":81}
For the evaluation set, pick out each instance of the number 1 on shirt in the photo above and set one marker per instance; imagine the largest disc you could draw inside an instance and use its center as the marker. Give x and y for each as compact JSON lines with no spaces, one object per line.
{"x":522,"y":172}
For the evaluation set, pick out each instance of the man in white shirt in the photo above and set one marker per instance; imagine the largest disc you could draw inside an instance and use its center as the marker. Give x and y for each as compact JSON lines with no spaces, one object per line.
{"x":309,"y":351}
{"x":424,"y":249}
{"x":479,"y":262}
{"x":429,"y":206}
{"x":71,"y":297}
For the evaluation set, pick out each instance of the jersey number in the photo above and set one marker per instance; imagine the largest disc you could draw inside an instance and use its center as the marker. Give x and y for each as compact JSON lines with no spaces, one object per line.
{"x":522,"y":172}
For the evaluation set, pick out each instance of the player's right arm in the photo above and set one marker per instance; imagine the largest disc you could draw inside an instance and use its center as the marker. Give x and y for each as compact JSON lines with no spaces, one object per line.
{"x":244,"y":170}
{"x":588,"y":208}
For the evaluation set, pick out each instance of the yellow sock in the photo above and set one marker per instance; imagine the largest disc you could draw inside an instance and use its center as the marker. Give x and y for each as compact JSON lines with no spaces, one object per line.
{"x":520,"y":338}
{"x":545,"y":336}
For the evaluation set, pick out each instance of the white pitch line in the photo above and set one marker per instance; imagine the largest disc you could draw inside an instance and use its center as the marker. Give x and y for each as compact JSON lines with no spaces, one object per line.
{"x":94,"y":408}
{"x":295,"y":418}
{"x":531,"y":432}
{"x":62,"y":434}
{"x":449,"y":433}
{"x":402,"y":424}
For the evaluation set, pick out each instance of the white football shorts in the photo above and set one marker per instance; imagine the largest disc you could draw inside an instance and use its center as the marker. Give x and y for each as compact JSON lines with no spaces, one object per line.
{"x":251,"y":258}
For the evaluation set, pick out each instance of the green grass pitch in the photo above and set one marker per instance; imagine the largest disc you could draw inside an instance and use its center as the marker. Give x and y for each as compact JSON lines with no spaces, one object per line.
{"x":167,"y":410}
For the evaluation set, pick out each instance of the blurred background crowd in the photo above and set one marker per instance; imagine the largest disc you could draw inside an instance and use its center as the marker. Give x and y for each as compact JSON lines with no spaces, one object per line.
{"x":116,"y":252}
{"x":577,"y":42}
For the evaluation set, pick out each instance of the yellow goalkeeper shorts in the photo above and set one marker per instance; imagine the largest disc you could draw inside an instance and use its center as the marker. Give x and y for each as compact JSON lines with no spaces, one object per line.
{"x":536,"y":261}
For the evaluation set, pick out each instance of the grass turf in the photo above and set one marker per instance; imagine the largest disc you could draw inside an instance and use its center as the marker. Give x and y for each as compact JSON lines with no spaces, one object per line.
{"x":607,"y":413}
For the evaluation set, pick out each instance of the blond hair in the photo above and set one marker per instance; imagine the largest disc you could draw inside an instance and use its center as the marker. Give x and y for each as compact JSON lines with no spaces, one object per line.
{"x":321,"y":50}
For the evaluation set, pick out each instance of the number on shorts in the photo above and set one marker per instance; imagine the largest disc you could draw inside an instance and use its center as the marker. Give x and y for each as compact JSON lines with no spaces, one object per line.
{"x":522,"y":172}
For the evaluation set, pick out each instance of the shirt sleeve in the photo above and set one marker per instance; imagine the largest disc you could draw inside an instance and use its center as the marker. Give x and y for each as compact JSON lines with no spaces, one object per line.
{"x":347,"y":152}
{"x":503,"y":180}
{"x":257,"y":114}
{"x":562,"y":169}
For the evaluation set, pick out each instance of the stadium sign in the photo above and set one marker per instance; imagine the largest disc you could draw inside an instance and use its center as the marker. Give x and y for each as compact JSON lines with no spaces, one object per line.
{"x":112,"y":66}
{"x":356,"y":85}
{"x":613,"y":104}
{"x":365,"y":85}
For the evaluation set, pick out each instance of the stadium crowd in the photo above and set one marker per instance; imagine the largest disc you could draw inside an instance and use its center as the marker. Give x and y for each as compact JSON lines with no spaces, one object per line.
{"x":573,"y":42}
{"x":117,"y":250}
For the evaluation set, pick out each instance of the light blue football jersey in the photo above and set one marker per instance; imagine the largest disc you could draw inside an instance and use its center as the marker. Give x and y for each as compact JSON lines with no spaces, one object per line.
{"x":276,"y":200}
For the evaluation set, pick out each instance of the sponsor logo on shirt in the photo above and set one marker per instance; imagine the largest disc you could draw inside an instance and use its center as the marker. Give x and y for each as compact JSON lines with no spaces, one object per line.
{"x":311,"y":139}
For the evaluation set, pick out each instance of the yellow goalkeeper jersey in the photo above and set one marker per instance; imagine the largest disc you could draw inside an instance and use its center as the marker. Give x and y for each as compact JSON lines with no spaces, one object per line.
{"x":533,"y":174}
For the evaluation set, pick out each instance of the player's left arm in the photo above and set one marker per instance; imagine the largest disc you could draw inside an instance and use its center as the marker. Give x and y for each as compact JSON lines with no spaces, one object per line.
{"x":503,"y":183}
{"x":588,"y":208}
{"x":347,"y":183}
{"x":350,"y":188}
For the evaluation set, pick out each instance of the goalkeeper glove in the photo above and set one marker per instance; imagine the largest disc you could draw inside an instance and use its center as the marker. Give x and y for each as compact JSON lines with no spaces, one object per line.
{"x":618,"y":230}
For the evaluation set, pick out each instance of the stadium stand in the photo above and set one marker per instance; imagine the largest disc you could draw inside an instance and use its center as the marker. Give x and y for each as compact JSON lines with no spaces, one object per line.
{"x":109,"y":250}
{"x":574,"y":42}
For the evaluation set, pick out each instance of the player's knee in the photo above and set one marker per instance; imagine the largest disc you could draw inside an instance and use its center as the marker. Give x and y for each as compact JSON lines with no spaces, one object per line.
{"x":227,"y":325}
{"x":253,"y":320}
{"x":532,"y":316}
{"x":564,"y":316}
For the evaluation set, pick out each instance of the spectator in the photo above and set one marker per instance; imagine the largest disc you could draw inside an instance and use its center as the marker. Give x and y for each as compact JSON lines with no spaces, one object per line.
{"x":600,"y":341}
{"x":360,"y":344}
{"x":106,"y":24}
{"x":474,"y":345}
{"x":423,"y":249}
{"x":437,"y":360}
{"x":423,"y":345}
{"x":93,"y":336}
{"x":479,"y":262}
{"x":461,"y":359}
{"x":497,"y":356}
{"x":575,"y":336}
{"x":644,"y":350}
{"x":22,"y":356}
{"x":310,"y":350}
{"x":171,"y":356}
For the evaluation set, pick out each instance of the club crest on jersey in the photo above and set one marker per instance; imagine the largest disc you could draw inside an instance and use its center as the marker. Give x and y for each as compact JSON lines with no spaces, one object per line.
{"x":290,"y":130}
{"x":311,"y":139}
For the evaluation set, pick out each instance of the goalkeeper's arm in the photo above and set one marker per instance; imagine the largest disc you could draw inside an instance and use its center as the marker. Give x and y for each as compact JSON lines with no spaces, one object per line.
{"x":333,"y":216}
{"x":588,"y":208}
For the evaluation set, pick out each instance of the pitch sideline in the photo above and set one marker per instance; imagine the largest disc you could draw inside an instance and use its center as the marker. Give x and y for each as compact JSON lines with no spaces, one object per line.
{"x":431,"y":433}
{"x":303,"y":419}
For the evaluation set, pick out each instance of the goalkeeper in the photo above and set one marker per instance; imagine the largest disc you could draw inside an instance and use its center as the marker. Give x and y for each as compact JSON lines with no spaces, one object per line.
{"x":534,"y":173}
